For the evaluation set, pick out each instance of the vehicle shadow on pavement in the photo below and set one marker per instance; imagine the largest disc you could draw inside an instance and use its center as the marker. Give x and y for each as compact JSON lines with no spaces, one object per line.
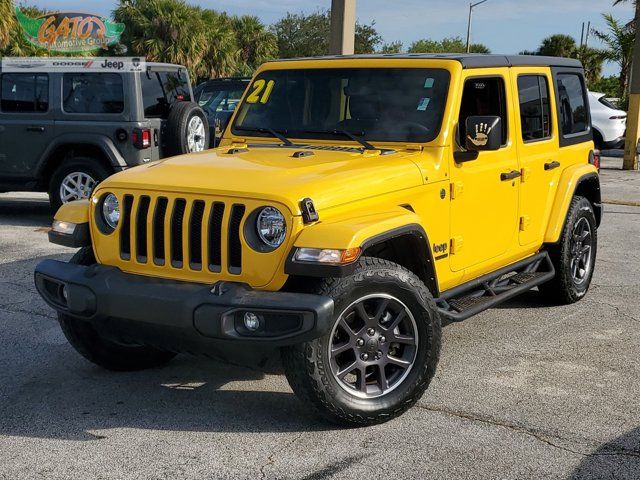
{"x":47,"y":390}
{"x":25,"y":212}
{"x":619,"y":458}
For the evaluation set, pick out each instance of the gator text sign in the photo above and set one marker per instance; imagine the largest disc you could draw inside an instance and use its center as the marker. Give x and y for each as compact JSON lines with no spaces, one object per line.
{"x":69,"y":31}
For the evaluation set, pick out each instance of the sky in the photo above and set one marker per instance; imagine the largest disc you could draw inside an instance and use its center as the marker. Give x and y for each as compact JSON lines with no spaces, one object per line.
{"x":505,"y":26}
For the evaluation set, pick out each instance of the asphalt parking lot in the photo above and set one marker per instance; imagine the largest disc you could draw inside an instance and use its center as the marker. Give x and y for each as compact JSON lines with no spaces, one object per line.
{"x":522,"y":391}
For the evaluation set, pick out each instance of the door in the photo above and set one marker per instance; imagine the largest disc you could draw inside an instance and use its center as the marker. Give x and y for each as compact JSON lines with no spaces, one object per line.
{"x":26,"y":123}
{"x":484,"y":192}
{"x":537,"y":141}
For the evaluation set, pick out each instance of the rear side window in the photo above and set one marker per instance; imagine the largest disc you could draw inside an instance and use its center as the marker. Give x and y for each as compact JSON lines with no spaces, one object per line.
{"x":92,"y":93}
{"x":572,"y":104}
{"x":535,"y":118}
{"x":160,"y":90}
{"x":25,"y":92}
{"x":480,"y":97}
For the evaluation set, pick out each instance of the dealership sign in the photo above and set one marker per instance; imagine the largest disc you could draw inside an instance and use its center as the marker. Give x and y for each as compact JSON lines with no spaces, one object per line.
{"x":72,"y":64}
{"x":69,"y":31}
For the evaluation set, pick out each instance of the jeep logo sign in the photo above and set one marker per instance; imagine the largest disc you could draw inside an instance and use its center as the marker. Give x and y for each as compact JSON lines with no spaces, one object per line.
{"x":70,"y":31}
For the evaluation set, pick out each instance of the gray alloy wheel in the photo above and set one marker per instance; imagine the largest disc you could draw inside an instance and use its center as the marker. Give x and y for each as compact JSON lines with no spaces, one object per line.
{"x":76,"y":186}
{"x":580,"y":251}
{"x":373,"y":346}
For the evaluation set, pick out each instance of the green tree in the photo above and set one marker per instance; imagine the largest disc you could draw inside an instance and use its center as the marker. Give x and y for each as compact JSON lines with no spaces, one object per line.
{"x":7,"y":21}
{"x":618,"y":41}
{"x":558,"y":45}
{"x":16,"y":44}
{"x":610,"y":86}
{"x":164,"y":31}
{"x":393,"y":47}
{"x":255,"y":43}
{"x":591,"y":60}
{"x":561,"y":45}
{"x":300,"y":35}
{"x":222,"y":53}
{"x":446,"y":45}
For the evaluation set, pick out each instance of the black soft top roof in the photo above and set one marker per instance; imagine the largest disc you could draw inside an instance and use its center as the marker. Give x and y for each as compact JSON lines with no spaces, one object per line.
{"x":468,"y":60}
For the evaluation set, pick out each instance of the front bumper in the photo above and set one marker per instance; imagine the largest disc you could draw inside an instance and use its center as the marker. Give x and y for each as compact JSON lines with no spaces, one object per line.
{"x":180,"y":315}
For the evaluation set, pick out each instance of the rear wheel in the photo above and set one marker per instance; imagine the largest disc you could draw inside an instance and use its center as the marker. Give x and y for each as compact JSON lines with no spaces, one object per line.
{"x":102,"y":351}
{"x":75,"y":180}
{"x":574,"y":255}
{"x":187,"y":129}
{"x":381,"y":352}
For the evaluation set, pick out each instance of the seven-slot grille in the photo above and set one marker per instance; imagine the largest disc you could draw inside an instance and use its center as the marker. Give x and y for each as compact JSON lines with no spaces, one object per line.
{"x":182,"y":233}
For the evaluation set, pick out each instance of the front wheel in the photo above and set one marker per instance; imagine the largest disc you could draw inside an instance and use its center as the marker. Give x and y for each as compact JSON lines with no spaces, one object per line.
{"x":102,"y":351}
{"x":382,"y":350}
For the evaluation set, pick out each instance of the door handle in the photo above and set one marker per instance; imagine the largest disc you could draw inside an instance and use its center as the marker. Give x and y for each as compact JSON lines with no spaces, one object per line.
{"x":551,"y":165}
{"x":35,"y":129}
{"x":510,"y":175}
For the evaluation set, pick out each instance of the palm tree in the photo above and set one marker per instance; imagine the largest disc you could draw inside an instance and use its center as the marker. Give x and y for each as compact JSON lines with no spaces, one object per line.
{"x":7,"y":22}
{"x":256,"y":44}
{"x":163,"y":31}
{"x":16,"y":45}
{"x":221,"y":57}
{"x":618,"y":41}
{"x":558,"y":45}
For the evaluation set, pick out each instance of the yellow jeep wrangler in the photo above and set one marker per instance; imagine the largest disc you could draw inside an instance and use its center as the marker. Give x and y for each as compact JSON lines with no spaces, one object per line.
{"x":353,"y":205}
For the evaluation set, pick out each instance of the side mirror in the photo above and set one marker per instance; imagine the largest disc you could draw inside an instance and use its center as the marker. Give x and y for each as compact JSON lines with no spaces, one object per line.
{"x":483,"y":133}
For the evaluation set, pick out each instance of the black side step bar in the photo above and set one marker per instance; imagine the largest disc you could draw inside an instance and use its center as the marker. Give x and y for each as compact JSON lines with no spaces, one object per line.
{"x":471,"y":298}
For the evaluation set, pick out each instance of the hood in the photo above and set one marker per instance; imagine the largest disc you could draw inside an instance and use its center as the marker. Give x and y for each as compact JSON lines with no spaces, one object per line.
{"x":328,"y":177}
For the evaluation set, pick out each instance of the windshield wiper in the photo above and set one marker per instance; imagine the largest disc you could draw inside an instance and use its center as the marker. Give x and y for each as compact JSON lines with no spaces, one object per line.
{"x":271,"y":132}
{"x":345,"y":133}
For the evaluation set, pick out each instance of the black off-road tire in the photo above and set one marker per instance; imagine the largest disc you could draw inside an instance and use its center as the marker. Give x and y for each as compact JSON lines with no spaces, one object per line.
{"x":175,"y":136}
{"x":307,"y":365}
{"x":563,"y":289}
{"x":103,"y":352}
{"x":87,"y":165}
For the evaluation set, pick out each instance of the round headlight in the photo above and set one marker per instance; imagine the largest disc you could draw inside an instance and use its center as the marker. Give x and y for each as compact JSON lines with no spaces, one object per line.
{"x":111,"y":210}
{"x":271,"y":227}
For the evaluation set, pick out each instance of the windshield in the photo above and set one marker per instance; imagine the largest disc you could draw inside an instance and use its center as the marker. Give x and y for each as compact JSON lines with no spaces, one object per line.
{"x":375,"y":104}
{"x":220,"y":99}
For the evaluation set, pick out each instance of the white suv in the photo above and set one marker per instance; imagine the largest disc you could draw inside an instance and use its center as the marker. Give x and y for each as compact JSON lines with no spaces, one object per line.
{"x":609,"y":122}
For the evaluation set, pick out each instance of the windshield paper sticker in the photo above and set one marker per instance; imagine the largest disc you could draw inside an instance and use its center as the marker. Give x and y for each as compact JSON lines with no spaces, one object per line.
{"x":428,"y":83}
{"x":423,"y":104}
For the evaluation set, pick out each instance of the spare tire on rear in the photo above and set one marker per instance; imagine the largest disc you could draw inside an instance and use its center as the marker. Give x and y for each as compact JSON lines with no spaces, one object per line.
{"x":187,"y":129}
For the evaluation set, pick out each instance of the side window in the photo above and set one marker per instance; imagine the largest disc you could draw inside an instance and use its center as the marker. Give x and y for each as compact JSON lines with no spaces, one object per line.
{"x":24,"y":92}
{"x":572,"y":104}
{"x":483,"y":96}
{"x":160,"y":90}
{"x":535,"y":118}
{"x":92,"y":93}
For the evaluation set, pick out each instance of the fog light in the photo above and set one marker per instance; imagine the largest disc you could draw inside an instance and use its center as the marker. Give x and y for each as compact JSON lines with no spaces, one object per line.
{"x":251,"y":321}
{"x":63,"y":227}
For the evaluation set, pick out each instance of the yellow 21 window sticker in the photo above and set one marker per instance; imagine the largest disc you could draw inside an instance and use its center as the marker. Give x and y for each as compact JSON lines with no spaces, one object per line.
{"x":261,"y":90}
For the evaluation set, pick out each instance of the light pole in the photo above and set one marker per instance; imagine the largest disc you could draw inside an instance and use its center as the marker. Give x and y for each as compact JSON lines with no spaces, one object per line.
{"x":471,"y":7}
{"x":630,"y":161}
{"x":343,"y":25}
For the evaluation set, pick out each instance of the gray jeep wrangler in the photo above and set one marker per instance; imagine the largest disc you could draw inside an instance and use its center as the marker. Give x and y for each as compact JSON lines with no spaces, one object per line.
{"x":63,"y":133}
